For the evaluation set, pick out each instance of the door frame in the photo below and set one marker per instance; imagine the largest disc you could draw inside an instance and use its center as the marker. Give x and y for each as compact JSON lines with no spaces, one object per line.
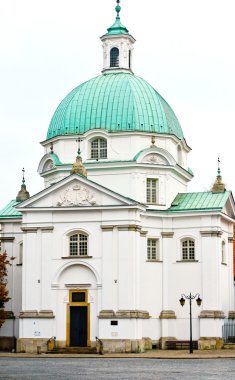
{"x":77,"y":304}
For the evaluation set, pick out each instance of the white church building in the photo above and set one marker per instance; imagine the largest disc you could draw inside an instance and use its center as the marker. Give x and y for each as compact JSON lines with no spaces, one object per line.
{"x":113,"y":241}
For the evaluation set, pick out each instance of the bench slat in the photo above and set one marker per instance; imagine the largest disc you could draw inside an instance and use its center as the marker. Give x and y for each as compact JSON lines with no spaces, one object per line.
{"x":180,"y":344}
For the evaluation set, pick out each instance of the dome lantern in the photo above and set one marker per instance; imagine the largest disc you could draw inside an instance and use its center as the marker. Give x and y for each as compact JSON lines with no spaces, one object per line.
{"x":117,"y":47}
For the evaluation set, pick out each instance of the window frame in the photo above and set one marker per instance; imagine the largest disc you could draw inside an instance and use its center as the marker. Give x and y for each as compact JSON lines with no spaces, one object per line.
{"x":152,"y":191}
{"x":188,"y":248}
{"x":78,"y":245}
{"x":114,"y":59}
{"x":151,"y":248}
{"x":99,"y":149}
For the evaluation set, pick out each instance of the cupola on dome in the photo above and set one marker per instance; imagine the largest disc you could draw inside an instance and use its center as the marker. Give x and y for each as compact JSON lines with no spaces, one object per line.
{"x":114,"y":102}
{"x":117,"y":101}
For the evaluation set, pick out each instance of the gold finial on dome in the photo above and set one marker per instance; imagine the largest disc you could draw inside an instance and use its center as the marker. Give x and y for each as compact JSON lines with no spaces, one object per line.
{"x":78,"y":167}
{"x":219,"y":186}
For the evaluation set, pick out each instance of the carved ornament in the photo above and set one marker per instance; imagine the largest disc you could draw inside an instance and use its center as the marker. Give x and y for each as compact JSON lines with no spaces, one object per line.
{"x":76,"y":195}
{"x":155,"y":159}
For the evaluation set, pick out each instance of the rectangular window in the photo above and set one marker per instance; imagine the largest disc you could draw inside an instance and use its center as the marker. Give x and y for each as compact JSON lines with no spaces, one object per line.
{"x":152,"y":249}
{"x":78,"y":296}
{"x":99,"y":148}
{"x":78,"y":245}
{"x":188,"y":250}
{"x":151,"y":190}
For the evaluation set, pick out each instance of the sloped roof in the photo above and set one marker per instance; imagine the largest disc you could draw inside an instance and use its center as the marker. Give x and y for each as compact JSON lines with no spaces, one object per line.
{"x":199,"y":201}
{"x":9,"y":211}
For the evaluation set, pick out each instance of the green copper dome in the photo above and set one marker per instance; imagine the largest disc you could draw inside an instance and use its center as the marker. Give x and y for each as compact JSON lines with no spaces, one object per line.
{"x":114,"y":102}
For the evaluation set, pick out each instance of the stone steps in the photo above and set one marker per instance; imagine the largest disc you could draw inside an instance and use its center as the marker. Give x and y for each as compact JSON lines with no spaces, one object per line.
{"x":74,"y":350}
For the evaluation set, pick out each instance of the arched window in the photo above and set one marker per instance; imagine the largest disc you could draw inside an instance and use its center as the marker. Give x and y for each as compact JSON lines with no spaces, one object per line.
{"x":188,"y":249}
{"x":114,"y":57}
{"x":99,"y":149}
{"x":129,"y":59}
{"x":78,"y":244}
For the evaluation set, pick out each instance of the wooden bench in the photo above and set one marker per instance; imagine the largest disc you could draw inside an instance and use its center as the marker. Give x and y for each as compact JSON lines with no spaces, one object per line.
{"x":180,"y":344}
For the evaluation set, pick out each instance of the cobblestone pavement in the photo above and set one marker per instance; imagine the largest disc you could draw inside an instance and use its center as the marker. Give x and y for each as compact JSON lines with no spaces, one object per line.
{"x":116,"y":369}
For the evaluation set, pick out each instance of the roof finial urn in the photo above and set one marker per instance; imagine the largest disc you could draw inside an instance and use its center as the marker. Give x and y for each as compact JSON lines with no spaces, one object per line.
{"x":78,"y":167}
{"x":219,"y":186}
{"x":23,"y":194}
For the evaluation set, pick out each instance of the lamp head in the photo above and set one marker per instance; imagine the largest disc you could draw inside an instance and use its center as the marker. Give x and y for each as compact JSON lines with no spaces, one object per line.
{"x":182,"y":301}
{"x":199,"y":301}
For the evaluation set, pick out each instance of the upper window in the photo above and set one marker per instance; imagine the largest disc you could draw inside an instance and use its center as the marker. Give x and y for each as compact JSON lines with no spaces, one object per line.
{"x":188,"y":249}
{"x":223,"y":253}
{"x":152,"y":249}
{"x":129,"y":59}
{"x":99,"y":148}
{"x":78,"y":245}
{"x":151,"y":195}
{"x":114,"y":57}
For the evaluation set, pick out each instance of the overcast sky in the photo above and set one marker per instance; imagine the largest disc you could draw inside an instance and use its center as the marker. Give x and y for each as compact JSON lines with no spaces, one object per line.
{"x":184,"y":48}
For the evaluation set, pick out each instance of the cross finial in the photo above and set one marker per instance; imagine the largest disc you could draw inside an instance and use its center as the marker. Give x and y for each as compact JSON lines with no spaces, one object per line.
{"x":23,"y":179}
{"x":79,"y":146}
{"x":23,"y":194}
{"x":219,"y":171}
{"x":52,"y":148}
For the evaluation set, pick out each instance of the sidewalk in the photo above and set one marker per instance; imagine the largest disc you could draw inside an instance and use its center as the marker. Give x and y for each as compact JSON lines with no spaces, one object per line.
{"x":153,"y":354}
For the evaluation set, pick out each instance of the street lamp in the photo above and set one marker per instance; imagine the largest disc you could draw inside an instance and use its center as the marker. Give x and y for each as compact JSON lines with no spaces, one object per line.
{"x":190,"y":297}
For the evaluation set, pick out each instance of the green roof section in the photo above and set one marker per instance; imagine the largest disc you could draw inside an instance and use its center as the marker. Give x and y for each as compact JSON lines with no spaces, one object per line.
{"x":55,"y":159}
{"x":115,"y":102}
{"x":9,"y":211}
{"x":207,"y":201}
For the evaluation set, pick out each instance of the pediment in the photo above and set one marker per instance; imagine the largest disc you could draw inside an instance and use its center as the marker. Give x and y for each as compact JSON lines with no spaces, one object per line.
{"x":75,"y":194}
{"x":76,"y":191}
{"x":229,"y":208}
{"x":155,"y":156}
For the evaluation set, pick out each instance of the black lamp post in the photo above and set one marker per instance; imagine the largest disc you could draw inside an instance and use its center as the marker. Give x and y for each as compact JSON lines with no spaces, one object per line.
{"x":190,"y":297}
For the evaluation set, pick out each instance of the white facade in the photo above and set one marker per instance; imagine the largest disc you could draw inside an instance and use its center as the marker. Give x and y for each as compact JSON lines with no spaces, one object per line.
{"x":141,"y":295}
{"x":110,"y":255}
